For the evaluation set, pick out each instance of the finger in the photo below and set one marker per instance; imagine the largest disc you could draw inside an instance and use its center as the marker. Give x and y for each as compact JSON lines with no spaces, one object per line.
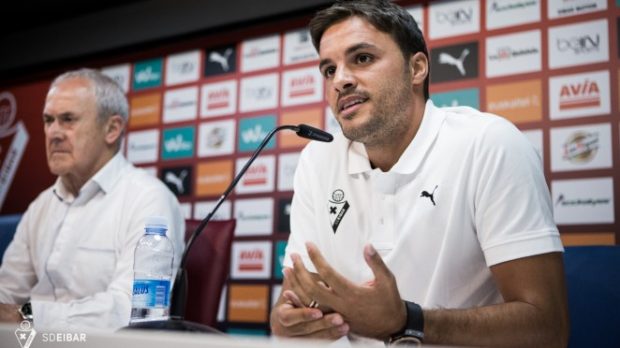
{"x":376,"y":264}
{"x":331,"y":326}
{"x":308,"y":282}
{"x":332,"y":333}
{"x":292,"y":296}
{"x":328,"y":274}
{"x":293,"y":283}
{"x":290,"y":316}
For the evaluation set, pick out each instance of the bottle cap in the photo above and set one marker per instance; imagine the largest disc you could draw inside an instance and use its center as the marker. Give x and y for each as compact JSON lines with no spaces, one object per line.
{"x":156,"y":222}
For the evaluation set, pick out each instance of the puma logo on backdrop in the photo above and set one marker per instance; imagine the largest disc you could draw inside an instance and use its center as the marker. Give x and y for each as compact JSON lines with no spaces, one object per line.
{"x":216,"y":57}
{"x":430,"y":196}
{"x":446,"y":58}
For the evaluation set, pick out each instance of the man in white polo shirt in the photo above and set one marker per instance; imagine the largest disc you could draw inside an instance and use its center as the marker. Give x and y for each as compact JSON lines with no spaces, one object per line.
{"x":417,"y":223}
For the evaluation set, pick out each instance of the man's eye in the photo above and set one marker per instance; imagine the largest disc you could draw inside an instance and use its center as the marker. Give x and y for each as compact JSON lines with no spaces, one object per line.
{"x":68,"y":119}
{"x":364,"y":58}
{"x":329,"y":72}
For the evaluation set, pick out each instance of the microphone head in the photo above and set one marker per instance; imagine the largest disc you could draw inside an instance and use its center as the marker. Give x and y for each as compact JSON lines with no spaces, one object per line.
{"x":310,"y":132}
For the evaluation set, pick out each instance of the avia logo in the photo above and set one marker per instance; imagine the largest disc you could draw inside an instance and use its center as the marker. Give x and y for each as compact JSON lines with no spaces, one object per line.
{"x":580,"y":95}
{"x":581,"y":147}
{"x":253,"y":135}
{"x":580,"y":45}
{"x":177,"y":144}
{"x":562,"y":201}
{"x":251,"y":260}
{"x":177,"y":181}
{"x":430,"y":196}
{"x":221,"y":59}
{"x":446,"y":58}
{"x":460,"y":16}
{"x":147,"y":75}
{"x":301,"y":86}
{"x":218,"y":99}
{"x":256,"y":175}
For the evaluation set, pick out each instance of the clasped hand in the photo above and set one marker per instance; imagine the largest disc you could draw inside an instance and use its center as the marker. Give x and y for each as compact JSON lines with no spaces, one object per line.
{"x":372,"y":309}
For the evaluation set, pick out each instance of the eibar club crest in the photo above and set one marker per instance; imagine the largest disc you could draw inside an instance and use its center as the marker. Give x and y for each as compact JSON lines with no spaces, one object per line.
{"x":338,"y":207}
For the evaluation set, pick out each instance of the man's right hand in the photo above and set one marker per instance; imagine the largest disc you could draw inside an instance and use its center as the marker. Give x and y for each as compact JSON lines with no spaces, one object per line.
{"x":290,"y":318}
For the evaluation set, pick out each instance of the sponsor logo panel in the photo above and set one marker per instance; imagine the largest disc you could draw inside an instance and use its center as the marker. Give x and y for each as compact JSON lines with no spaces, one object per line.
{"x":142,"y":146}
{"x":583,"y":201}
{"x":251,"y":260}
{"x":311,"y":117}
{"x":182,"y":68}
{"x":302,"y":86}
{"x":461,"y":97}
{"x":221,"y":60}
{"x":218,"y":99}
{"x":298,"y":47}
{"x":203,"y":208}
{"x":513,"y":53}
{"x":578,"y":44}
{"x":581,"y":147}
{"x":519,"y":102}
{"x":253,"y":130}
{"x":248,"y":303}
{"x":564,"y":8}
{"x":535,"y":136}
{"x":259,"y":93}
{"x":278,"y":260}
{"x":178,"y":143}
{"x":254,"y":216}
{"x":579,"y":95}
{"x":260,"y":176}
{"x":144,"y":110}
{"x":180,"y":104}
{"x":455,"y":62}
{"x":120,"y":73}
{"x":178,"y":180}
{"x":147,"y":74}
{"x":213,"y":177}
{"x":287,"y":163}
{"x":216,"y":138}
{"x":260,"y":53}
{"x":453,"y":18}
{"x":507,"y":13}
{"x":284,"y":215}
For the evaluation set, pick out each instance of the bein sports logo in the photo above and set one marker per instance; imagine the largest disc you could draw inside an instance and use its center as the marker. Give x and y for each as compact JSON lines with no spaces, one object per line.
{"x":456,"y":17}
{"x":579,"y":45}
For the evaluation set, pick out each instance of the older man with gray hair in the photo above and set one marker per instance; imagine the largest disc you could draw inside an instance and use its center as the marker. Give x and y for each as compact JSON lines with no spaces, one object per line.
{"x":70,"y":264}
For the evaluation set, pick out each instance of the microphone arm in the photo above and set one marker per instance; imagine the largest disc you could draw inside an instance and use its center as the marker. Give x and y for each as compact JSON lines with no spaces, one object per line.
{"x":179,"y":289}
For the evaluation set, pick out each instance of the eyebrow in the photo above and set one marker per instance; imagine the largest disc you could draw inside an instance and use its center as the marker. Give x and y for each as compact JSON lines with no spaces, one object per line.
{"x":356,"y":47}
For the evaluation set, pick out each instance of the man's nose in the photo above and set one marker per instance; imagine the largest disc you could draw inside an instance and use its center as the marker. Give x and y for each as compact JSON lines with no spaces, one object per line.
{"x":343,"y":79}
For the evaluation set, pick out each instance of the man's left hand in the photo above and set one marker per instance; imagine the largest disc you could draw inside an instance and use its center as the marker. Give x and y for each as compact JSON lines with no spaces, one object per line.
{"x":9,"y":313}
{"x":373,"y":309}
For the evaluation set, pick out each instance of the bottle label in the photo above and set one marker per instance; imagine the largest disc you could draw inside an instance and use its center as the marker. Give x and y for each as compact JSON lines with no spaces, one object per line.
{"x":151,"y":293}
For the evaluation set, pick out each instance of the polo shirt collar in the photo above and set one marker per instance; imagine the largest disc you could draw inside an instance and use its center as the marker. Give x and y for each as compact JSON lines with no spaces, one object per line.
{"x":413,"y":155}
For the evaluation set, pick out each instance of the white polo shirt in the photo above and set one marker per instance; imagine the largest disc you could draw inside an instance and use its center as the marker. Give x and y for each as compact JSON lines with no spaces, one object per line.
{"x":467,"y":193}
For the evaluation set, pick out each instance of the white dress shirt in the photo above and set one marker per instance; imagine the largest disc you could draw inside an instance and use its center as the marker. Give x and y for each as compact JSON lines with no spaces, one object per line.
{"x":73,"y":256}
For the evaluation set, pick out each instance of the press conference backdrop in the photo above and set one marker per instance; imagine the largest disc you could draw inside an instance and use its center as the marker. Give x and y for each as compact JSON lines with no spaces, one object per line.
{"x":199,"y":107}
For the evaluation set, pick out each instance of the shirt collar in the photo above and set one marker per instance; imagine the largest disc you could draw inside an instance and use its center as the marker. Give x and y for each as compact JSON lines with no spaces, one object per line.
{"x":415,"y":152}
{"x":104,"y":180}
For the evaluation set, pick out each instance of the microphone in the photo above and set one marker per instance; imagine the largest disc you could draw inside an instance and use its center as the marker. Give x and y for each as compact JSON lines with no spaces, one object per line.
{"x":178,"y":296}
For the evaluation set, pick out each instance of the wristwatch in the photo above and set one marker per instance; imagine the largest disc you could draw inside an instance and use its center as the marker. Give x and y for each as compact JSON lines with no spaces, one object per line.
{"x":413,"y":333}
{"x":26,"y":311}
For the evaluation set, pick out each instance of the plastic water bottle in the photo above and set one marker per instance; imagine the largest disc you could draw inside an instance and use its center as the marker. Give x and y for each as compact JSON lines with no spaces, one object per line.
{"x":152,"y":268}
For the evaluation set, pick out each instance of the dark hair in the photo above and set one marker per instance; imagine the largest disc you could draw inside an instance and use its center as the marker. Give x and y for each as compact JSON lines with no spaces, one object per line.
{"x":383,"y":15}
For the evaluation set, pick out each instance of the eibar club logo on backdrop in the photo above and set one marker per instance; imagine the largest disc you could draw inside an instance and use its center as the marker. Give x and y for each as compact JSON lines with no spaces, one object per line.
{"x":222,"y":60}
{"x":178,"y":143}
{"x":147,"y":74}
{"x":178,"y":179}
{"x":456,"y":62}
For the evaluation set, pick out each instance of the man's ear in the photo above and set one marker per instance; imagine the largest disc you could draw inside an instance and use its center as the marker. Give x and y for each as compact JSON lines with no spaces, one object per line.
{"x":114,"y":129}
{"x":418,"y":66}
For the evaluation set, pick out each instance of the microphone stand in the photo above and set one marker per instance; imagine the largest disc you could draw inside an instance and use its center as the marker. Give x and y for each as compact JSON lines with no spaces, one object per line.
{"x":178,"y":297}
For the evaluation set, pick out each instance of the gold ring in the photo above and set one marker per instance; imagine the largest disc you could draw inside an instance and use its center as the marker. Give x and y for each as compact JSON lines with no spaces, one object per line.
{"x":313,"y":304}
